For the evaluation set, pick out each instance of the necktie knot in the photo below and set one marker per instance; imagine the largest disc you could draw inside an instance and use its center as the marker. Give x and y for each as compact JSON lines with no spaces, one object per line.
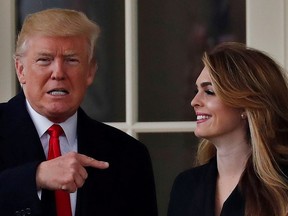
{"x":55,"y":130}
{"x":54,"y":147}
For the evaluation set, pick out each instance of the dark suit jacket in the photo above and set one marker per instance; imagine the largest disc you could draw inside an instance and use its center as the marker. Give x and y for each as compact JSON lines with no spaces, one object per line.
{"x":193,"y":194}
{"x":126,"y":188}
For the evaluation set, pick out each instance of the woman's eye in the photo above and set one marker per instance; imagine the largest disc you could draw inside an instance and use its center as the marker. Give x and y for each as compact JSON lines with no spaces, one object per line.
{"x":210,"y":92}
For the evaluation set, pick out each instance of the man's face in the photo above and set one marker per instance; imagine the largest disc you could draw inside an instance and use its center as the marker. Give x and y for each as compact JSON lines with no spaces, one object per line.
{"x":55,"y":73}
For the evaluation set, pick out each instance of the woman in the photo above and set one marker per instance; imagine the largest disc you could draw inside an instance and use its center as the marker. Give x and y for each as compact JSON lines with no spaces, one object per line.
{"x":242,"y":119}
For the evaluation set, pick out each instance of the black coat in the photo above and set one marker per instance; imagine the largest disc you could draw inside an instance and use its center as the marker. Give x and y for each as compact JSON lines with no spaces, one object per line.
{"x":193,"y":194}
{"x":126,"y":188}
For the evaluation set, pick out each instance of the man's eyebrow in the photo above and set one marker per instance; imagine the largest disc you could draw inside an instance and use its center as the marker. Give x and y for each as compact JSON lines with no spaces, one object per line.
{"x":70,"y":53}
{"x":44,"y":54}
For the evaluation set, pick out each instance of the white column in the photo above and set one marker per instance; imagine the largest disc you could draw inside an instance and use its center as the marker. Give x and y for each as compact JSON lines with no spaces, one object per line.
{"x":266,"y":27}
{"x":7,"y":41}
{"x":131,"y":41}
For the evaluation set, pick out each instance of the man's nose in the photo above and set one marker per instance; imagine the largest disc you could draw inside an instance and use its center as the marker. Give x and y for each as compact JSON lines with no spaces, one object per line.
{"x":58,"y":70}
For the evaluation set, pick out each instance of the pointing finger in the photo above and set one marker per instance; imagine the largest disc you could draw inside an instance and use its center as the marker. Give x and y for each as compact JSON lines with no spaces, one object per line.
{"x":91,"y":162}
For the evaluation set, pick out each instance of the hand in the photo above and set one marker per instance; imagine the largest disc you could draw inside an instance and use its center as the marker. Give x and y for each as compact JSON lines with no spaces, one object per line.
{"x":66,"y":172}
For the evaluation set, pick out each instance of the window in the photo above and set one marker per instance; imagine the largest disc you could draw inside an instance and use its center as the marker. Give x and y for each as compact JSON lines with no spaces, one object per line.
{"x":172,"y":36}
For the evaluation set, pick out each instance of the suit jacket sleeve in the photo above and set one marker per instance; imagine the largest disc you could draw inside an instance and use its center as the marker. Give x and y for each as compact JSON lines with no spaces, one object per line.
{"x":18,"y":190}
{"x":20,"y":153}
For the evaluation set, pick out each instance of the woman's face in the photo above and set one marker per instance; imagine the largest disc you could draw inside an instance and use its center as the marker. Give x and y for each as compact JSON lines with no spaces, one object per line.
{"x":215,"y":120}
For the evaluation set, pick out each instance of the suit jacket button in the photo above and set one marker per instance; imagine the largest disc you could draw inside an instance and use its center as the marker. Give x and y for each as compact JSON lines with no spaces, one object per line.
{"x":28,"y":211}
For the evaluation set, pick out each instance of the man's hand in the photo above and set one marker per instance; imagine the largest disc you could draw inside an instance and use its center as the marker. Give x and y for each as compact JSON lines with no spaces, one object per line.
{"x":66,"y":172}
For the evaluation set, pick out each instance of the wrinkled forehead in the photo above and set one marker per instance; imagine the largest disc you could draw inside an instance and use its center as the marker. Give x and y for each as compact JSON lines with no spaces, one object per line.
{"x":49,"y":44}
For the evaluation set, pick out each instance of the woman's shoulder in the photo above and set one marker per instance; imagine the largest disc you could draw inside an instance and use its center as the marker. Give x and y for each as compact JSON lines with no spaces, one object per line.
{"x":196,"y":174}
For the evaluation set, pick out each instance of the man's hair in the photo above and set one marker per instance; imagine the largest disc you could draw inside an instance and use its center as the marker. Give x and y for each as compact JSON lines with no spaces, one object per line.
{"x":58,"y":22}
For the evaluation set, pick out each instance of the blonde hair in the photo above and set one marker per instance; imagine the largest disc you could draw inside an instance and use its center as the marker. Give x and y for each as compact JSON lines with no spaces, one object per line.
{"x":58,"y":22}
{"x":249,"y":79}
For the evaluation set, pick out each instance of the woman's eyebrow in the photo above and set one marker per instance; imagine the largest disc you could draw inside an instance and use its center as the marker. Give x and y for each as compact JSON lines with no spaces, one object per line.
{"x":204,"y":84}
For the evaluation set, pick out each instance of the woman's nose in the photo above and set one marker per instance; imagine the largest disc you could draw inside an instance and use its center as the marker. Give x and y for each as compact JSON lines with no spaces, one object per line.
{"x":196,"y":100}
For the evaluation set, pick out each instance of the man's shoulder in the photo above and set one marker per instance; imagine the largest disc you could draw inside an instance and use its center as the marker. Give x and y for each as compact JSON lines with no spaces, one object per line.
{"x":13,"y":102}
{"x":104,"y":131}
{"x":5,"y":109}
{"x":13,"y":106}
{"x":3,"y":106}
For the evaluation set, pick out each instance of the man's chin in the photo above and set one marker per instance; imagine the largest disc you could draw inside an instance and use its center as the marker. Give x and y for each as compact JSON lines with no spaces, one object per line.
{"x":58,"y":116}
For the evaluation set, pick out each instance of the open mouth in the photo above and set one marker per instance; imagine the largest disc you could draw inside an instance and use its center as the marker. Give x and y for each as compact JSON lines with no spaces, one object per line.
{"x":202,"y":117}
{"x":58,"y":92}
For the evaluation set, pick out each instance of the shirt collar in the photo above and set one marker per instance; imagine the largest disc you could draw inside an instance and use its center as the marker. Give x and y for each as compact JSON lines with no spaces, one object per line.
{"x":42,"y":124}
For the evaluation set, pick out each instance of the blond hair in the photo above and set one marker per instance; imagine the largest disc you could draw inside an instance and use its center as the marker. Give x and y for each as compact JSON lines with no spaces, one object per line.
{"x":249,"y":79}
{"x":58,"y":22}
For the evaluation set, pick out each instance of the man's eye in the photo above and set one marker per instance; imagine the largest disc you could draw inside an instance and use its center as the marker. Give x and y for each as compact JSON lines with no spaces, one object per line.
{"x":43,"y":61}
{"x":72,"y":60}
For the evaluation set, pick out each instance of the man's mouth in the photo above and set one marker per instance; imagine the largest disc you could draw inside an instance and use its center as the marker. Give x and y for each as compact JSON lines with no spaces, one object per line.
{"x":58,"y":92}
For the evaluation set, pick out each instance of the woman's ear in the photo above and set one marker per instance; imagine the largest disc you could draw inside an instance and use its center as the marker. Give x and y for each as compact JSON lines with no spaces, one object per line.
{"x":243,"y":115}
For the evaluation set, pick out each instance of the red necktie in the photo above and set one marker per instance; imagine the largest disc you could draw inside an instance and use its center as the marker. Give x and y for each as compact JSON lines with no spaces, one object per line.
{"x":63,"y":205}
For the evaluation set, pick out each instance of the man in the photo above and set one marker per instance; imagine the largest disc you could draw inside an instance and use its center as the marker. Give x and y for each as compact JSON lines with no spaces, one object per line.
{"x":103,"y":170}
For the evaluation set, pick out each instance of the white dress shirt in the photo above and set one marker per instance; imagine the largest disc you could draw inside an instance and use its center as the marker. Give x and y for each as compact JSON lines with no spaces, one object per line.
{"x":68,"y":141}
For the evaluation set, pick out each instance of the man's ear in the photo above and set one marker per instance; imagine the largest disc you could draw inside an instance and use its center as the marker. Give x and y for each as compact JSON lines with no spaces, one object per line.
{"x":92,"y":71}
{"x":19,"y":66}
